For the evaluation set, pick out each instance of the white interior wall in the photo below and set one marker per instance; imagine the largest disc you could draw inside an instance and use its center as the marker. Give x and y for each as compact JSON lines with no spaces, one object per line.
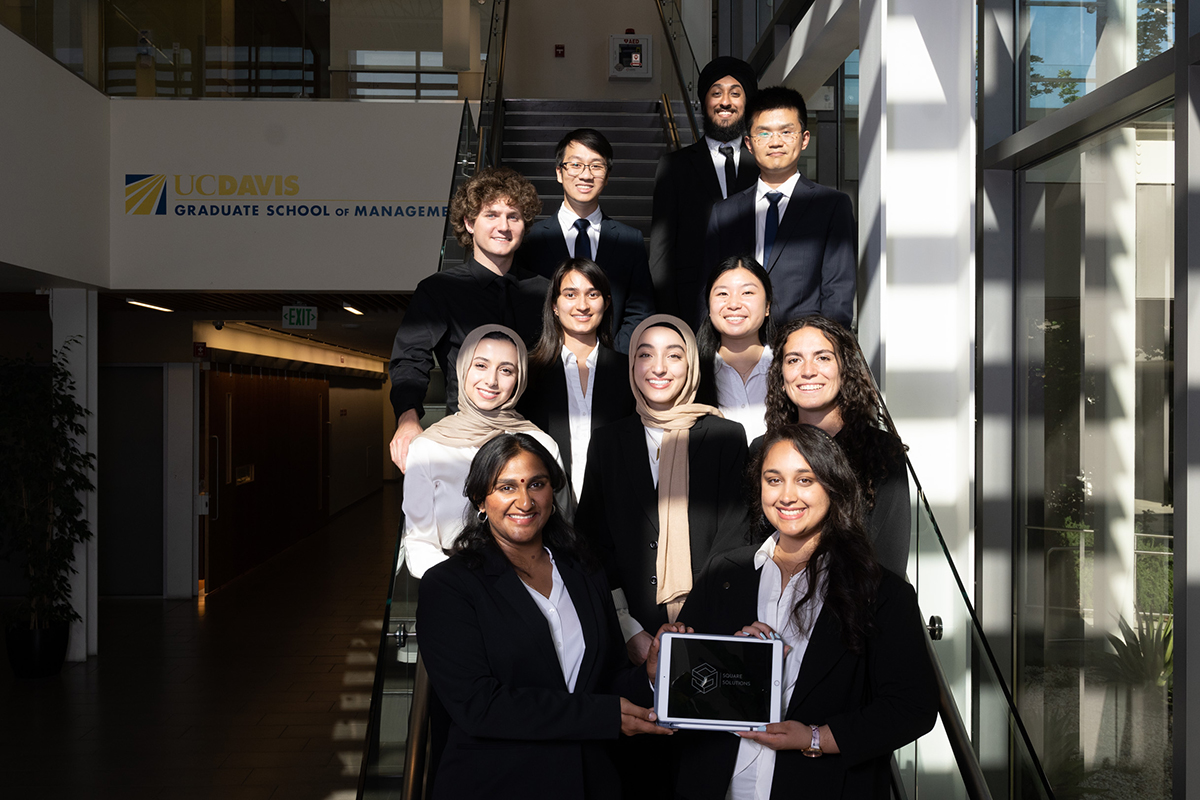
{"x":532,"y":71}
{"x":54,"y":140}
{"x":355,"y":442}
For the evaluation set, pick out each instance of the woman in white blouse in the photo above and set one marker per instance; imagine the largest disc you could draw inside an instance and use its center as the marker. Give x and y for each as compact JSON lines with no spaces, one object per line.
{"x":577,"y":381}
{"x":492,"y":367}
{"x":858,"y":682}
{"x":733,"y":342}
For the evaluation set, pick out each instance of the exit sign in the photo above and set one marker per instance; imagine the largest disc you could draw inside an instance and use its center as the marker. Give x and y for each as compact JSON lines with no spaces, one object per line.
{"x":300,"y":317}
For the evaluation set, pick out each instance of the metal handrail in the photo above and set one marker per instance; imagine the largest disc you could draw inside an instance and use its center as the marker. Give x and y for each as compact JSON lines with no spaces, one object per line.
{"x":956,"y":733}
{"x":498,"y":101}
{"x":669,"y":119}
{"x":687,"y":102}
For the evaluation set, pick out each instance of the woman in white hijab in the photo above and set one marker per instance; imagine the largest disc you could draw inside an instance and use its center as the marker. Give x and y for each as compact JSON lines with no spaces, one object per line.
{"x":492,"y":371}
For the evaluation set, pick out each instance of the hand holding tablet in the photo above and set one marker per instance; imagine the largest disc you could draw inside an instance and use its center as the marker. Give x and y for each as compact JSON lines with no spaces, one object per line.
{"x":720,"y":683}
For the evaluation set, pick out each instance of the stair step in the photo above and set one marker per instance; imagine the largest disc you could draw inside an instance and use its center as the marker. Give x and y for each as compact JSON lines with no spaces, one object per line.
{"x":622,"y":154}
{"x":551,"y":134}
{"x":590,"y":106}
{"x":573,"y":120}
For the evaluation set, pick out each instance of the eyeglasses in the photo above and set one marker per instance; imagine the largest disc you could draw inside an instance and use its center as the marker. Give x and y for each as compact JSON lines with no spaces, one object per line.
{"x":766,"y":136}
{"x":576,"y":168}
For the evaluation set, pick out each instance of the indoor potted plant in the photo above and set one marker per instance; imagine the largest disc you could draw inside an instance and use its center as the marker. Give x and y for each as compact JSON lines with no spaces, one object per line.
{"x":43,"y":473}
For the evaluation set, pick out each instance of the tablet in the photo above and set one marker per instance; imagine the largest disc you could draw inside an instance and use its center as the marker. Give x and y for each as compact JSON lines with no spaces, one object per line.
{"x":720,"y":683}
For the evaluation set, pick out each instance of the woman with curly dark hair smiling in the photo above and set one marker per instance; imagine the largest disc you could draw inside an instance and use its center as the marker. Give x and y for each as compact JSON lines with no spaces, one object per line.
{"x":858,"y":682}
{"x":819,"y":377}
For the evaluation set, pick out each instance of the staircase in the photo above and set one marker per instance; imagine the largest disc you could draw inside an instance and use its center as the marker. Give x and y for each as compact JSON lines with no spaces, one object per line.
{"x":532,"y":128}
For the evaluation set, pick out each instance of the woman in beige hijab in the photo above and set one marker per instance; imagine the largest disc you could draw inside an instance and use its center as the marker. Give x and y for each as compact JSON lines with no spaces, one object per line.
{"x":492,"y":371}
{"x":663,"y":488}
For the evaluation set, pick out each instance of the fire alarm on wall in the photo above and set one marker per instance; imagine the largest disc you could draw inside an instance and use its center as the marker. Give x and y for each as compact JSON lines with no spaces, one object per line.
{"x":560,"y":51}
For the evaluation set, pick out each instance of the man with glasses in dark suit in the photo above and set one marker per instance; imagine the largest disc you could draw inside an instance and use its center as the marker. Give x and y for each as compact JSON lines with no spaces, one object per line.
{"x":578,"y":229}
{"x":803,"y":233}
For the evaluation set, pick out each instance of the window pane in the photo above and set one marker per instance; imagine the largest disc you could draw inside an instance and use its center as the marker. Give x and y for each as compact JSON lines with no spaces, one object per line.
{"x":1069,"y":47}
{"x":1095,"y":461}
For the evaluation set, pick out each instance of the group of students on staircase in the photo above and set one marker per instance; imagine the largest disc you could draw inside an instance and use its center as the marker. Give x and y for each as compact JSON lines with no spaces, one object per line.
{"x":605,"y":475}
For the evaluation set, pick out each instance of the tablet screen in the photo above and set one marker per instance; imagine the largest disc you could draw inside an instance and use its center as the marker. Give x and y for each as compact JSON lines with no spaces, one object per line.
{"x":711,"y":679}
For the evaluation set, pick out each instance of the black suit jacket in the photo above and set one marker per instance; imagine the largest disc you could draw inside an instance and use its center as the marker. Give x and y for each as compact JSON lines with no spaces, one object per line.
{"x":618,"y":512}
{"x":621,"y":254}
{"x":814,"y":260}
{"x":545,"y":400}
{"x":685,"y":189}
{"x":516,"y":732}
{"x":873,"y":703}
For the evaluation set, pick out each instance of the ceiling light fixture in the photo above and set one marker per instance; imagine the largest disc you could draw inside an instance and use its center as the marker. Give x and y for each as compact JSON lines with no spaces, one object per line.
{"x":133,"y":302}
{"x":352,"y":309}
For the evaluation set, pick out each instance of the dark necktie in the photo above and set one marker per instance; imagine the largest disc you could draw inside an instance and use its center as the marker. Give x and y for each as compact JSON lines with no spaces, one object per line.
{"x":730,"y":168}
{"x":583,"y":244}
{"x":772,"y":225}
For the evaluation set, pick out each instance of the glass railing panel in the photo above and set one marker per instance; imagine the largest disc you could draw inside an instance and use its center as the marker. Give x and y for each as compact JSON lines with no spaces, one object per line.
{"x":998,"y":738}
{"x":681,"y":91}
{"x":465,"y":164}
{"x":386,"y":748}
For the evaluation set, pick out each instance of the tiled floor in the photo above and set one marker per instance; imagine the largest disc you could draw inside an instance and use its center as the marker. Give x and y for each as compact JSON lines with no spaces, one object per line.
{"x":261,"y":691}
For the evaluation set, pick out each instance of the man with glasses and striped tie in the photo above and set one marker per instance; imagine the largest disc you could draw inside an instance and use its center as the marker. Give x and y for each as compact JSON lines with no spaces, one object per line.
{"x":578,"y":229}
{"x":803,"y":233}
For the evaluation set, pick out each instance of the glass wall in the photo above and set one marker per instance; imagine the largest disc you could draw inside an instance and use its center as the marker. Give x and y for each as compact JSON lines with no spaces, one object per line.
{"x":1070,"y":47}
{"x":1093,"y":590}
{"x":363,"y":49}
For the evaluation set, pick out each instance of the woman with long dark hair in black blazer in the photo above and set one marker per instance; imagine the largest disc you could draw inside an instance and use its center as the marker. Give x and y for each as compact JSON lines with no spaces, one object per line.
{"x":818,"y":376}
{"x":663,"y":489}
{"x":522,"y":643}
{"x":577,"y":381}
{"x":858,"y":682}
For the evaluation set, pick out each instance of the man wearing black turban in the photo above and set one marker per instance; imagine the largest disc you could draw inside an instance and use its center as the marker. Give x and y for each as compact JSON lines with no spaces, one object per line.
{"x":691,"y":180}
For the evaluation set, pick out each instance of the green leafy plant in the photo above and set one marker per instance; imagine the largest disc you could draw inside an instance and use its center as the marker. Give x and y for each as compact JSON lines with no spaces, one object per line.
{"x":43,"y":474}
{"x":1143,"y":656}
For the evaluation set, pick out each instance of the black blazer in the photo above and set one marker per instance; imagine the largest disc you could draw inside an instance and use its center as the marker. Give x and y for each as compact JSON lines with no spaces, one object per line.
{"x":873,"y":703}
{"x":618,"y":512}
{"x":622,"y":256}
{"x":545,"y":400}
{"x":685,"y":189}
{"x":814,"y":260}
{"x":516,"y":732}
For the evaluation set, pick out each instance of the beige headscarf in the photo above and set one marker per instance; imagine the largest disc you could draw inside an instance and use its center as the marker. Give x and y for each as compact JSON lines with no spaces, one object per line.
{"x":472,"y":426}
{"x":673,"y":566}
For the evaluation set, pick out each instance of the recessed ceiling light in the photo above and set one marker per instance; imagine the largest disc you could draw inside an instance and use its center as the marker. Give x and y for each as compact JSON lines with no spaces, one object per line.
{"x":351,"y":309}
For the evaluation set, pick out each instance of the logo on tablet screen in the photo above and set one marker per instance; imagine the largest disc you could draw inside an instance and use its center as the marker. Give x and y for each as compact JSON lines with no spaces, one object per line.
{"x":705,"y":679}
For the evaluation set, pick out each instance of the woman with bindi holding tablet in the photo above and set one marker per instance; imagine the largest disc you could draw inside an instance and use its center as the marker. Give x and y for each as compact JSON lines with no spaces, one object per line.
{"x":663,"y":488}
{"x":491,"y":378}
{"x":735,"y":354}
{"x":577,"y":381}
{"x":858,"y":682}
{"x":819,"y":377}
{"x":522,"y":643}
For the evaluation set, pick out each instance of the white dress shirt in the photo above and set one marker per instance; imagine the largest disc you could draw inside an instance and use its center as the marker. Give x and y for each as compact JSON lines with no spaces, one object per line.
{"x":566,"y":220}
{"x":718,"y":159}
{"x":744,"y":402}
{"x":761,"y":204}
{"x":434,"y":505}
{"x":579,"y":411}
{"x":755,"y":766}
{"x":565,"y":630}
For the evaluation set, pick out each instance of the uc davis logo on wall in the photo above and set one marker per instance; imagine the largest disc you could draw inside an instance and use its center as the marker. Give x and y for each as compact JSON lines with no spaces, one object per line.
{"x":146,"y":194}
